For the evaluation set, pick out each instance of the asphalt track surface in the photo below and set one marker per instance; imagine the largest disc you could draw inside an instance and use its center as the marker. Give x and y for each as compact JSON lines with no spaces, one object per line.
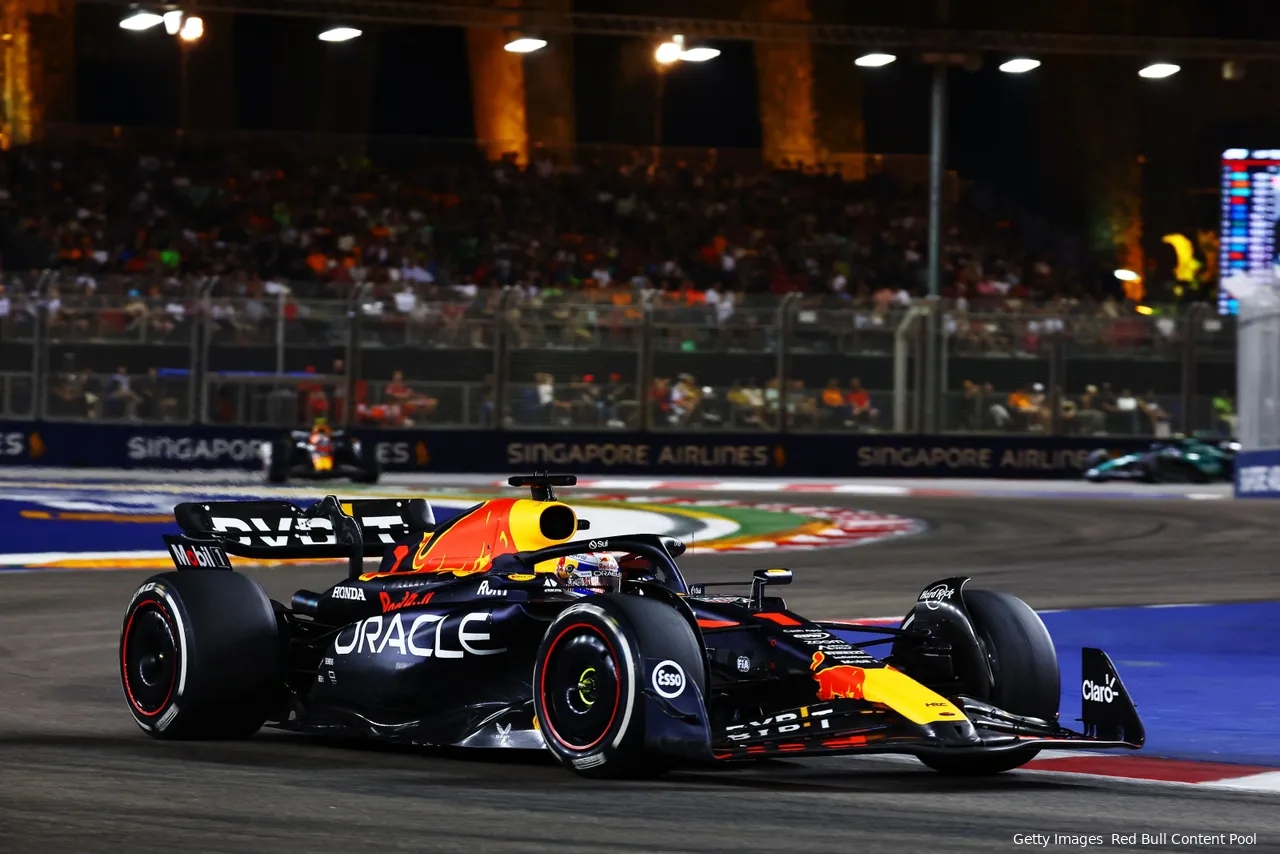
{"x":77,"y":775}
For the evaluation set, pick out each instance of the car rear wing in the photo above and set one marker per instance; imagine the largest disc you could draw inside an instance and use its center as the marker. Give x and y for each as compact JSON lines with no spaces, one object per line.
{"x":278,"y":530}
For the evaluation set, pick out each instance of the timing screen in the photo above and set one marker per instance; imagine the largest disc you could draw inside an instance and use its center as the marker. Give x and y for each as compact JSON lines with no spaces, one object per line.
{"x":1250,"y":183}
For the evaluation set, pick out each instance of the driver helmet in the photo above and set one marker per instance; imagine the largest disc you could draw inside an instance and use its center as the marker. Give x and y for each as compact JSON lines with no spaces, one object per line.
{"x":597,"y":572}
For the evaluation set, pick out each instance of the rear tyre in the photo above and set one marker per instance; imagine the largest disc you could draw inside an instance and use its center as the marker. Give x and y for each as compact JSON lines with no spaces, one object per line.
{"x":590,"y":680}
{"x":278,"y":465}
{"x":201,"y":656}
{"x":1025,"y":666}
{"x":371,"y":469}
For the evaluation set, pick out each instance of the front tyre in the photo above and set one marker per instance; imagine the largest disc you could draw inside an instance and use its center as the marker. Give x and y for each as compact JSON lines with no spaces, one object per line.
{"x":1024,"y":664}
{"x":590,"y":679}
{"x":200,"y":656}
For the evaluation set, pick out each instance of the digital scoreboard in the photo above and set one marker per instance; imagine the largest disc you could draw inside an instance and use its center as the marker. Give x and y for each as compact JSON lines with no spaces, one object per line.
{"x":1250,"y":210}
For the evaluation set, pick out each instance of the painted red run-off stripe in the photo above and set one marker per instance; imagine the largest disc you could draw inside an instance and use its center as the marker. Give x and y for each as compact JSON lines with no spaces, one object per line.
{"x":1139,"y":768}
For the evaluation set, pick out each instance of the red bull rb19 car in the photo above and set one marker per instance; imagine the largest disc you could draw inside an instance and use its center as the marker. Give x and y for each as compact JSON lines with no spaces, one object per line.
{"x":506,"y":627}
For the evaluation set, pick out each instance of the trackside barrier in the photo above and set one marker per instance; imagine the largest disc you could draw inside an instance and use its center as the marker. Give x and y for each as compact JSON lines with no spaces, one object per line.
{"x":1258,"y":383}
{"x":70,"y":444}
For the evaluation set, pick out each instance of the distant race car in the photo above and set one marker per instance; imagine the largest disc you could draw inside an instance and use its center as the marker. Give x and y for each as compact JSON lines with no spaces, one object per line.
{"x":320,"y":453}
{"x":1178,"y":461}
{"x":505,"y":628}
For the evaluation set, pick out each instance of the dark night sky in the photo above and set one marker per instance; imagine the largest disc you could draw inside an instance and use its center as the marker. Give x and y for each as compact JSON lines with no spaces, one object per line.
{"x":132,"y":80}
{"x":421,"y":87}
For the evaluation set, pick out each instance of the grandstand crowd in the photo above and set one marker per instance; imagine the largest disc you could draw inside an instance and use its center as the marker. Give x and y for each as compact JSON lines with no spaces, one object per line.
{"x":134,"y":241}
{"x":255,"y":215}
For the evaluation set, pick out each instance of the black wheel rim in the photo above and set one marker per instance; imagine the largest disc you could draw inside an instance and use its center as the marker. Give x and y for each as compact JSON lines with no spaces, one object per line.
{"x":580,"y":686}
{"x":149,"y":658}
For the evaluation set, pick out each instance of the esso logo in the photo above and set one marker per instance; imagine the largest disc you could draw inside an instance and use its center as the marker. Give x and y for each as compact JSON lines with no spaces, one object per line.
{"x":936,"y":595}
{"x":668,"y":679}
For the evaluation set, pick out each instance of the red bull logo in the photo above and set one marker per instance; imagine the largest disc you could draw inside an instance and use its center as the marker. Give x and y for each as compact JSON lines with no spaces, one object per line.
{"x":840,"y":680}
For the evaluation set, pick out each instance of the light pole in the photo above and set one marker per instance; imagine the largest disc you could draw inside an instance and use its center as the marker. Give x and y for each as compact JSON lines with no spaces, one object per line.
{"x":665,"y":57}
{"x":189,"y":29}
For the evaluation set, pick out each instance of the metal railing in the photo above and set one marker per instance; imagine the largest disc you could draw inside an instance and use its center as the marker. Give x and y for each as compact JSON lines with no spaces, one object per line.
{"x":612,"y":359}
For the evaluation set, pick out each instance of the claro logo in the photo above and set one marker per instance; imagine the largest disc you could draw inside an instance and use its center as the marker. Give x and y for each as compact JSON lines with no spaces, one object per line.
{"x":1103,"y":693}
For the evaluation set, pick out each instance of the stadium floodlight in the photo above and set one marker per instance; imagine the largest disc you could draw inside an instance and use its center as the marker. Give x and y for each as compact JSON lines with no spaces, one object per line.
{"x":1157,"y":70}
{"x":1020,"y":66}
{"x":524,"y":44}
{"x":699,"y":54}
{"x":874,"y":60}
{"x":669,"y":52}
{"x":140,"y":20}
{"x":192,"y":28}
{"x":1127,"y":275}
{"x":340,"y":34}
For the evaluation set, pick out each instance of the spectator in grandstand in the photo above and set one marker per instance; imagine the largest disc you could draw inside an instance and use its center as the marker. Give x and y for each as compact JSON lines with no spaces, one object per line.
{"x":660,"y":400}
{"x":741,"y":413}
{"x":1158,"y":420}
{"x":156,"y":399}
{"x":835,"y":409}
{"x":544,"y":388}
{"x":972,"y":406}
{"x":1068,"y":410}
{"x":411,"y":407}
{"x":589,"y":406}
{"x":121,"y":396}
{"x":998,"y":417}
{"x":1089,"y":418}
{"x":753,"y":402}
{"x":1028,"y":407}
{"x":1224,"y":413}
{"x":685,"y":401}
{"x":620,"y":410}
{"x":802,"y":405}
{"x":1127,"y":412}
{"x":89,"y":392}
{"x":859,"y":399}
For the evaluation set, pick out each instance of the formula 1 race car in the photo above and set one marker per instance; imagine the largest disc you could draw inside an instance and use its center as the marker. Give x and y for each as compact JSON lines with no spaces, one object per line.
{"x":502,"y":628}
{"x":1192,"y":460}
{"x":320,"y":453}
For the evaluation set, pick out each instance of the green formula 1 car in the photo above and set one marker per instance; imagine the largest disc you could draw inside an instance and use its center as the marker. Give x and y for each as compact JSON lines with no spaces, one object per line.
{"x":1186,"y":460}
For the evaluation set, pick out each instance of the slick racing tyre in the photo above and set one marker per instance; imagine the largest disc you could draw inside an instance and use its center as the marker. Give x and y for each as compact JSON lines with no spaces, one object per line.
{"x":598,"y":660}
{"x":371,"y":468}
{"x":201,"y":656}
{"x":1025,"y":666}
{"x":278,"y":461}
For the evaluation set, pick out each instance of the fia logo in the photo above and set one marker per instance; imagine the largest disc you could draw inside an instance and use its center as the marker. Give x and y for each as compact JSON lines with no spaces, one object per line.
{"x":744,"y":664}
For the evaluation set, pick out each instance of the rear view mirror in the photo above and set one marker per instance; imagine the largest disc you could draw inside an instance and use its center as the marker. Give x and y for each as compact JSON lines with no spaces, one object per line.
{"x":763,"y":577}
{"x":772,"y":576}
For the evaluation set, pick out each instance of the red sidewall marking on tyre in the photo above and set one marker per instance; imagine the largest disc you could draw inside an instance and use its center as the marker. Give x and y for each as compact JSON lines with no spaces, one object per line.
{"x":617,"y":690}
{"x":124,"y":663}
